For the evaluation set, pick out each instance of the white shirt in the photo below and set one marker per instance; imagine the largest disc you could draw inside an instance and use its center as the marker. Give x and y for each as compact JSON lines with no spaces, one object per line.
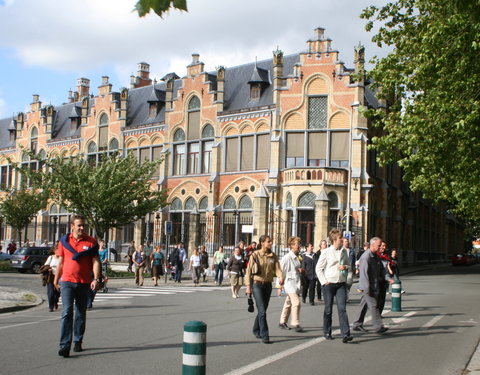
{"x":327,"y":267}
{"x":52,"y":261}
{"x":195,"y":259}
{"x":290,"y":265}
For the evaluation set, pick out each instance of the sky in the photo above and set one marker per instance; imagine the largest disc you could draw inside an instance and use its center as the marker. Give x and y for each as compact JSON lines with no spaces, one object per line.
{"x":45,"y":45}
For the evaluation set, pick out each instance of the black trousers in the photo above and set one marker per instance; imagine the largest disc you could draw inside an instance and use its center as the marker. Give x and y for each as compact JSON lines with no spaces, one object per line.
{"x":308,"y":287}
{"x":382,"y":295}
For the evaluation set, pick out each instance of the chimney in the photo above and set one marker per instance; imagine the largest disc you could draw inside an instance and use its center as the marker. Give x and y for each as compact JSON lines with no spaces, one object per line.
{"x":196,"y":66}
{"x":83,"y":87}
{"x":220,"y":88}
{"x":143,"y":76}
{"x":71,"y":98}
{"x":169,"y":94}
{"x":319,"y":32}
{"x":36,"y":103}
{"x":106,"y":86}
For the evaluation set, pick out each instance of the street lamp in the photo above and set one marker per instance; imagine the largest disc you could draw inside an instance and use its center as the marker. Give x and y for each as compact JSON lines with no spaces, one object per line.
{"x":349,"y":182}
{"x":236,"y":215}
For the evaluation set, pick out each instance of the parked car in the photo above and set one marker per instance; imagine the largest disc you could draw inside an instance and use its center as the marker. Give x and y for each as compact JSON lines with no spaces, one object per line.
{"x":4,"y":256}
{"x":29,"y":258}
{"x":463,"y":259}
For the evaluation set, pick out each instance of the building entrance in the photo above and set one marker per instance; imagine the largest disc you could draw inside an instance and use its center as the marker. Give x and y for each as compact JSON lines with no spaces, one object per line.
{"x":306,"y":226}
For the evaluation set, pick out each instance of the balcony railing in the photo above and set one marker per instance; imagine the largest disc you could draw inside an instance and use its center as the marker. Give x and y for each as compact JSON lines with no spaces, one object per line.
{"x":332,"y":175}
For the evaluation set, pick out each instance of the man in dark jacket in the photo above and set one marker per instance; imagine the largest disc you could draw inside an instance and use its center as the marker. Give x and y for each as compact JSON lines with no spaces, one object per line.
{"x":309,"y":262}
{"x":370,"y":278}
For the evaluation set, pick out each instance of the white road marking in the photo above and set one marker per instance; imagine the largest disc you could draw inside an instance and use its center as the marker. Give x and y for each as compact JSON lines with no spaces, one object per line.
{"x":433,"y":321}
{"x":404,"y":318}
{"x":29,"y":323}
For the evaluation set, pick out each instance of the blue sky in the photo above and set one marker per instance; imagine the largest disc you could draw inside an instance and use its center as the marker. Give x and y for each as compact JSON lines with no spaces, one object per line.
{"x":46,"y":45}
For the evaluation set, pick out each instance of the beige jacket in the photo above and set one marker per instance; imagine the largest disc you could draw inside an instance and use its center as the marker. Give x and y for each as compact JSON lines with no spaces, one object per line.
{"x":268,"y":265}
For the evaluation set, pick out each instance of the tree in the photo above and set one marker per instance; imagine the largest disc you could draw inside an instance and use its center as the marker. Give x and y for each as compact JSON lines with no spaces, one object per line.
{"x":18,"y":207}
{"x":110,"y":194}
{"x":160,"y":7}
{"x":431,"y":84}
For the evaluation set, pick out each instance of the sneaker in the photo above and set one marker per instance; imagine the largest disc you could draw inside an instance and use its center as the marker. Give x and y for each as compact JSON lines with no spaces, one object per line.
{"x":328,"y":337}
{"x":284,"y":326}
{"x":359,"y":329}
{"x":347,"y":339}
{"x":266,"y":341}
{"x":298,"y":329}
{"x":64,"y":352}
{"x":382,"y":330}
{"x":77,"y":347}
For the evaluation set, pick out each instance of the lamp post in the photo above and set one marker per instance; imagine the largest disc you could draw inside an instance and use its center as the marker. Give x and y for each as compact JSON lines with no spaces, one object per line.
{"x":157,"y":232}
{"x":147,"y":229}
{"x":349,"y":181}
{"x":55,"y":218}
{"x":236,"y":215}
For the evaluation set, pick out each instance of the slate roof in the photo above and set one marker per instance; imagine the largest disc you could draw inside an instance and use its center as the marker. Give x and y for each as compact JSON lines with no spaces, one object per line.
{"x":61,"y":121}
{"x":4,"y":133}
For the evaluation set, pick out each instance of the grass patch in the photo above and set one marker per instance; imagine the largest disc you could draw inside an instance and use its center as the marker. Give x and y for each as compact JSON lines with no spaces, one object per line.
{"x":5,"y":266}
{"x":112,"y":274}
{"x":29,"y":297}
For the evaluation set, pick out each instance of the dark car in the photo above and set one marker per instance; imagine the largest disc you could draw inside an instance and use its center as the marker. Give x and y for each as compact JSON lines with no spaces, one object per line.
{"x":463,"y":260}
{"x":29,"y":258}
{"x":4,"y":256}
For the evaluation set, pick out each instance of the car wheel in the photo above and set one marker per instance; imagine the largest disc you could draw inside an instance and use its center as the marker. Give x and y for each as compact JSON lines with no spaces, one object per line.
{"x":21,"y":270}
{"x":36,"y":267}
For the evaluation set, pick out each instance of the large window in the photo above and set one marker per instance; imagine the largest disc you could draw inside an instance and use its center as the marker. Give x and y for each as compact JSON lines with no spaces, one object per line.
{"x":310,"y":149}
{"x":247,"y":152}
{"x":179,"y":161}
{"x":103,"y":132}
{"x":34,"y":140}
{"x":317,"y":112}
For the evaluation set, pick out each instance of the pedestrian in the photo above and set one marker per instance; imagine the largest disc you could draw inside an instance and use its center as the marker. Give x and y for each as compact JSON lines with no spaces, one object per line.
{"x":27,"y":243}
{"x":291,"y":271}
{"x":78,"y":259}
{"x":158,"y":262}
{"x":249,"y":250}
{"x":194,"y":266}
{"x":219,"y":265}
{"x":332,"y":270}
{"x":383,"y":285}
{"x":45,"y":243}
{"x":12,"y":247}
{"x":49,"y":269}
{"x":236,"y":266}
{"x":148,"y":249}
{"x":263,"y":265}
{"x":371,"y":276}
{"x":309,"y":262}
{"x":393,"y":267}
{"x":323,"y":246}
{"x":139,"y":261}
{"x":360,"y":252}
{"x":129,"y":256}
{"x":204,"y":262}
{"x":179,"y":256}
{"x":351,"y":264}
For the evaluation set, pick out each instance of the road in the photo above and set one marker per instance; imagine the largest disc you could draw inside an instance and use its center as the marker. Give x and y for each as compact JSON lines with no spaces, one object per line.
{"x":140,"y":331}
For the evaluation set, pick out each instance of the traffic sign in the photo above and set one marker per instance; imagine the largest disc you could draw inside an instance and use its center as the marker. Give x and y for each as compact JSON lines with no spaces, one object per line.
{"x":168,"y":228}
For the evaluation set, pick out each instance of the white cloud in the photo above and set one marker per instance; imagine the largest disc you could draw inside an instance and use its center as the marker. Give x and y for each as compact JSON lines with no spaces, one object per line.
{"x":88,"y":35}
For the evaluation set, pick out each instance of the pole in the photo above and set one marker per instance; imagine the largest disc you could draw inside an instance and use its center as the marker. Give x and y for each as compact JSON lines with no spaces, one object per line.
{"x":166,"y":258}
{"x":194,"y":348}
{"x":349,"y":181}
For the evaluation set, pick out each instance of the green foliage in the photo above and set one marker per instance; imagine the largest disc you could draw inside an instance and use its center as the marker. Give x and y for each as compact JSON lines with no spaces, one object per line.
{"x":160,"y":7}
{"x":110,"y":194}
{"x":431,"y":83}
{"x":18,"y":207}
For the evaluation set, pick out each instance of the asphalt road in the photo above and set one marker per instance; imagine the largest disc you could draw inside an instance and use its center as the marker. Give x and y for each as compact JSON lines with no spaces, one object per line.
{"x":140,"y":331}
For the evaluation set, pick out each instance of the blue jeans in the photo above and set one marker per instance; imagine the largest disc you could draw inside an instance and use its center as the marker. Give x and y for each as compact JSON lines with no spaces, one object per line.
{"x":219,"y":273}
{"x":53,"y":295}
{"x":178,"y":272}
{"x":78,"y":294}
{"x":261,"y":294}
{"x":339,"y":291}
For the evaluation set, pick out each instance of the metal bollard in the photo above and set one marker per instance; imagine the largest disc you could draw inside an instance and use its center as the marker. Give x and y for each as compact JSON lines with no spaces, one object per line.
{"x":397,"y":295}
{"x":194,"y":348}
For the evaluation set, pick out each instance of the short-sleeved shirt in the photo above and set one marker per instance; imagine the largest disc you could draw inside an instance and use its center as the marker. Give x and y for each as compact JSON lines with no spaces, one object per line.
{"x":157,"y":258}
{"x":103,"y":255}
{"x":77,"y":271}
{"x":195,"y":259}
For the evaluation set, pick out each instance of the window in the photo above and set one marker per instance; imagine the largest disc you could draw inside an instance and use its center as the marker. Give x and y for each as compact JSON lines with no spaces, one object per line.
{"x":263,"y":151}
{"x":113,"y":144}
{"x":193,"y":118}
{"x":179,"y":159}
{"x":153,"y":110}
{"x":92,"y":153}
{"x":156,"y":155}
{"x":207,"y":156}
{"x":103,"y":132}
{"x":4,"y":177}
{"x":333,"y":209}
{"x":34,"y":140}
{"x":232,"y":155}
{"x":317,"y":149}
{"x":144,"y":155}
{"x":246,"y":162}
{"x":317,"y":112}
{"x":339,"y":149}
{"x":229,"y":203}
{"x":193,"y":158}
{"x":255,"y":91}
{"x":179,"y":135}
{"x":295,"y":150}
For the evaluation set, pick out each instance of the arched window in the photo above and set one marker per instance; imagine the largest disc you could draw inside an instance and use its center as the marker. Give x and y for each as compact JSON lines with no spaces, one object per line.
{"x":176,"y":205}
{"x":207,"y":145}
{"x":54,"y":209}
{"x":190,"y":204}
{"x":92,"y":148}
{"x":92,"y":153}
{"x":179,"y":135}
{"x":203,"y":205}
{"x":113,"y":144}
{"x":245,"y":202}
{"x":193,"y":118}
{"x":288,"y":200}
{"x":103,"y":132}
{"x":307,"y":199}
{"x":34,"y":139}
{"x":207,"y":131}
{"x":194,"y":103}
{"x":229,"y":203}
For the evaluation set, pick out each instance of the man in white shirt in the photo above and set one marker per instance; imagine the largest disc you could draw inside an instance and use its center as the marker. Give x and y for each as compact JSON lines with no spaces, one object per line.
{"x":332,"y":270}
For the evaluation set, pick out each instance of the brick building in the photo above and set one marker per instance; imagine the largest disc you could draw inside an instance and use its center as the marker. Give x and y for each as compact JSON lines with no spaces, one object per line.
{"x":276,"y":146}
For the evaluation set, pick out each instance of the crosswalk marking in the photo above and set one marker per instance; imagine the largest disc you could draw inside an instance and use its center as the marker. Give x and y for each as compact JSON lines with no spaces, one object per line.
{"x":404,"y":318}
{"x":433,"y":321}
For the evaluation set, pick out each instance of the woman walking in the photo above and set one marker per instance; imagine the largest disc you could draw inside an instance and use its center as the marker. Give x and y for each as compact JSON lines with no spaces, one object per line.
{"x":262,"y":267}
{"x":49,"y":269}
{"x":236,"y":266}
{"x":139,"y":260}
{"x":194,"y":266}
{"x":219,"y":265}
{"x":158,"y":262}
{"x":291,"y":268}
{"x":332,"y":270}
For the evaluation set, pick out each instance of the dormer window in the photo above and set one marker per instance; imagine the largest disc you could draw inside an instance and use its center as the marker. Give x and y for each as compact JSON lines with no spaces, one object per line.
{"x":255,"y":91}
{"x":258,"y":82}
{"x":153,"y":111}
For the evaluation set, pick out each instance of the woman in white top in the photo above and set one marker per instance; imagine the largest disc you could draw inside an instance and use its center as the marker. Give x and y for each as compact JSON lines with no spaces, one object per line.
{"x":195,"y":266}
{"x":332,"y":270}
{"x":291,"y":269}
{"x":49,"y":269}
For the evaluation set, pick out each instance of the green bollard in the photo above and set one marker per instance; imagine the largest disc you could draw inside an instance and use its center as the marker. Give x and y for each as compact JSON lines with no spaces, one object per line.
{"x":397,"y":295}
{"x":194,"y":348}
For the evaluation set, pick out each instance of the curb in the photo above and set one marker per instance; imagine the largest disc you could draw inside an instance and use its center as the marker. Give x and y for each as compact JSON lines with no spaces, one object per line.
{"x":18,"y":307}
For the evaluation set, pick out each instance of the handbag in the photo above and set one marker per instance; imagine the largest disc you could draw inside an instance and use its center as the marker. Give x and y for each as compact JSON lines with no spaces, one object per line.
{"x":255,"y":267}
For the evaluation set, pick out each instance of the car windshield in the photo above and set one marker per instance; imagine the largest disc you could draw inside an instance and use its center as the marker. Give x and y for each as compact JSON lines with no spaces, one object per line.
{"x":22,"y":251}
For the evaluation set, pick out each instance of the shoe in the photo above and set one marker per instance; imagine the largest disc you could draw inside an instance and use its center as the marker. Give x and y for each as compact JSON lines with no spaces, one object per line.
{"x":359,"y":329}
{"x":403,"y":292}
{"x":312,"y":303}
{"x":257,"y":335}
{"x":283,"y":326}
{"x":328,"y":337}
{"x":266,"y":341}
{"x":304,"y":301}
{"x":298,"y":329}
{"x":55,"y":306}
{"x":347,"y":339}
{"x":51,"y":310}
{"x":382,"y":330}
{"x":77,"y":347}
{"x":64,"y":352}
